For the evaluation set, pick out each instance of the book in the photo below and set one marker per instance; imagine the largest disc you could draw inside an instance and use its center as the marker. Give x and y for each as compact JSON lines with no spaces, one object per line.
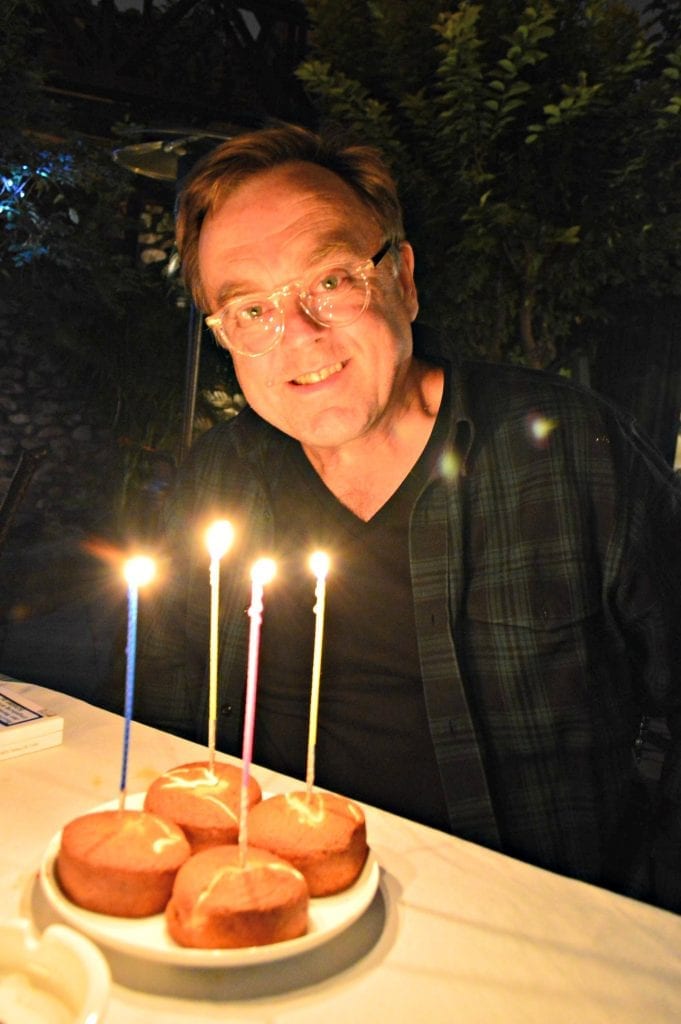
{"x":25,"y":726}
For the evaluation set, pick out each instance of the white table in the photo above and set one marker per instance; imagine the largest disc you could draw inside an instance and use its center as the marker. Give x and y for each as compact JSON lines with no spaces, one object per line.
{"x":456,"y":933}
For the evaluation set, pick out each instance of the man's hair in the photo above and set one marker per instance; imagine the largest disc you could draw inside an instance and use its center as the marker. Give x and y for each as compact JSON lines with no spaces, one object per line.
{"x":231,"y":163}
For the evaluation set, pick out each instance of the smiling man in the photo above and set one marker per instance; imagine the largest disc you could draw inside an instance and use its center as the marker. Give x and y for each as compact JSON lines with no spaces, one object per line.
{"x":503,"y":606}
{"x":343,"y":383}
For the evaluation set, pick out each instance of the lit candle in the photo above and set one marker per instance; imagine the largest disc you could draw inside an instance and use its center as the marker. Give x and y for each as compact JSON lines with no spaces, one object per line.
{"x":319,"y":564}
{"x":219,"y":537}
{"x":261,"y":574}
{"x":137,"y":571}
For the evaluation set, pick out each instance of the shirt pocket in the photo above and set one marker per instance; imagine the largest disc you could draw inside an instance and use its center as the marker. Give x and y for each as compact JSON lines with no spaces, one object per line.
{"x":534,"y":594}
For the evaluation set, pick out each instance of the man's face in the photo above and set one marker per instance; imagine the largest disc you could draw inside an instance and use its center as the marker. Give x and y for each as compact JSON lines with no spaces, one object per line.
{"x":325,"y":386}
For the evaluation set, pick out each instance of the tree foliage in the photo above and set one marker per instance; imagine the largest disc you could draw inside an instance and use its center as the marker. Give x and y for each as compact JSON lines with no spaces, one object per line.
{"x":73,"y":226}
{"x":537,"y":147}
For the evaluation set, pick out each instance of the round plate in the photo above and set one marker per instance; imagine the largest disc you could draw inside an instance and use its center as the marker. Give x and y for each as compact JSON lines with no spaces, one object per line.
{"x":146,"y":937}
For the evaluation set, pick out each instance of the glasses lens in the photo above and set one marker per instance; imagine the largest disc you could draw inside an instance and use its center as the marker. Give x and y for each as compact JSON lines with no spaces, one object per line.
{"x":338,"y":296}
{"x":252,"y":327}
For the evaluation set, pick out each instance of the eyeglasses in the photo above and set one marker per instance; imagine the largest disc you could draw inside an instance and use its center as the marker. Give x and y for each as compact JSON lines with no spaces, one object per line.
{"x":335,"y":296}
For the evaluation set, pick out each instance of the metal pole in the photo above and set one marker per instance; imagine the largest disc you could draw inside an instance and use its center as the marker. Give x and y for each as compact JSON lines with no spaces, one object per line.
{"x":191,"y":379}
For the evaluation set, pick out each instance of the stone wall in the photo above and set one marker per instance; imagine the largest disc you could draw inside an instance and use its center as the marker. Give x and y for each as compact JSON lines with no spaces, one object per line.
{"x":46,"y":415}
{"x":61,"y":607}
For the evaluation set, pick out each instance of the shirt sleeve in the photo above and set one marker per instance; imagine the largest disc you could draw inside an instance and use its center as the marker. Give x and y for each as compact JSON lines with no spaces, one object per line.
{"x":649,"y":602}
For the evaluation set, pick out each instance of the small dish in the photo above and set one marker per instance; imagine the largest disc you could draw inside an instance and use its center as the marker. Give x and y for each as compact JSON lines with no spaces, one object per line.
{"x":59,"y":977}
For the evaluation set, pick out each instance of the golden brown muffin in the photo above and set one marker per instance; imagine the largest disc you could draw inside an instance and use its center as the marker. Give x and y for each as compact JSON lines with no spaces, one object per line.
{"x":218,"y":904}
{"x":322,"y":834}
{"x":120,"y":862}
{"x":204,"y":803}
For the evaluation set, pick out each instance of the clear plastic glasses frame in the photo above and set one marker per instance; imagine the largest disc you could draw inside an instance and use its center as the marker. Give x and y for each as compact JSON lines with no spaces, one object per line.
{"x":334,"y":296}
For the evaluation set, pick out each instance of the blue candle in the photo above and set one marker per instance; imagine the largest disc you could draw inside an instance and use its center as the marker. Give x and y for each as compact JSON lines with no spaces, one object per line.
{"x":138,"y":571}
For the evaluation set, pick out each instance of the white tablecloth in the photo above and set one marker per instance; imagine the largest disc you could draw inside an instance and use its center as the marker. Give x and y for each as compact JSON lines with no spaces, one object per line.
{"x":455,"y":933}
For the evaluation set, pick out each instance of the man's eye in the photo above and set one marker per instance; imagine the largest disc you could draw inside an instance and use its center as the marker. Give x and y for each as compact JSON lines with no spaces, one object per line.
{"x":249,"y":312}
{"x":332,"y":280}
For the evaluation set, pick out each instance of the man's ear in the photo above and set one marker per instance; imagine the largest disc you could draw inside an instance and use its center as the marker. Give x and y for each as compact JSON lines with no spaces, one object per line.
{"x":405,"y":276}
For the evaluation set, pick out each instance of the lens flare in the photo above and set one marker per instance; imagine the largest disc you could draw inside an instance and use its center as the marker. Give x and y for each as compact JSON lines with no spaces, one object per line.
{"x":540,"y":428}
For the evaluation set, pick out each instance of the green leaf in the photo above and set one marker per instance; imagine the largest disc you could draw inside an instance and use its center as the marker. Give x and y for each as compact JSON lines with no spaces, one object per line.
{"x":509,"y":105}
{"x":517,"y":88}
{"x":570,"y":236}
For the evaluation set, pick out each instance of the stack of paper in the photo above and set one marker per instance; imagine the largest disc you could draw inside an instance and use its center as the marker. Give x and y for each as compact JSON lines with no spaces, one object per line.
{"x":24,"y":726}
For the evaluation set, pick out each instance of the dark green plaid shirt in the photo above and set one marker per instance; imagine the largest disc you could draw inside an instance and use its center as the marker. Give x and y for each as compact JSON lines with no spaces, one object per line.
{"x":546,"y":570}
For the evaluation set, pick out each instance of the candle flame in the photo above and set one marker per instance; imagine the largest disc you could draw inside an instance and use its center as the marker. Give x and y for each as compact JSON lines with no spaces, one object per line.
{"x":319,"y":564}
{"x":219,"y":538}
{"x":139,"y":570}
{"x":263,"y":571}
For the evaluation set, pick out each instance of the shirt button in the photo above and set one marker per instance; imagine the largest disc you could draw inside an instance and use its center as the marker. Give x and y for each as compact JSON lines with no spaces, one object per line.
{"x":226,"y":710}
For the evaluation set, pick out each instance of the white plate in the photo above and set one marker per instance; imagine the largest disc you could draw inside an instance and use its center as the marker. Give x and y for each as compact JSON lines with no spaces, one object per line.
{"x":146,"y":937}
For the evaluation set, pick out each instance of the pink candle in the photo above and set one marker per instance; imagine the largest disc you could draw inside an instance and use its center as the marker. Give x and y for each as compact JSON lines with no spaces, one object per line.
{"x":261,"y":574}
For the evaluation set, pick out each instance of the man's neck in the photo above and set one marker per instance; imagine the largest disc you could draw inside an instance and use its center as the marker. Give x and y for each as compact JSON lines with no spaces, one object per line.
{"x":366,"y":472}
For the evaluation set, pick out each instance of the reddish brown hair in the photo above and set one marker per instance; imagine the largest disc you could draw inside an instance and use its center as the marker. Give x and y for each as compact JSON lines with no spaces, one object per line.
{"x":227,"y":166}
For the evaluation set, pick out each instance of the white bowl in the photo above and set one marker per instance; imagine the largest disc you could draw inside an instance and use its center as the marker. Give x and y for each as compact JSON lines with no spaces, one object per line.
{"x":59,"y":977}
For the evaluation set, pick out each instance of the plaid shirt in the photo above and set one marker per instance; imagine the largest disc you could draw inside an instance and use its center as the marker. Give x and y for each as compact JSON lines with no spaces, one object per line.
{"x":546,"y":560}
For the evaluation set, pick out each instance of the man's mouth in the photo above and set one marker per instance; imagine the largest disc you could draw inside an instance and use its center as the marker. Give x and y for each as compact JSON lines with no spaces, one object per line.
{"x":317,"y":376}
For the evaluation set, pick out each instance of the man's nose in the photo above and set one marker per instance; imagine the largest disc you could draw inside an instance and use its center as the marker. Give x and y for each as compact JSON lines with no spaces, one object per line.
{"x":299,"y":325}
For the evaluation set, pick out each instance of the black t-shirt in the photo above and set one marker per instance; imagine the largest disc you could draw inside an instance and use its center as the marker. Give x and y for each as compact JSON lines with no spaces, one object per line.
{"x":373,"y":740}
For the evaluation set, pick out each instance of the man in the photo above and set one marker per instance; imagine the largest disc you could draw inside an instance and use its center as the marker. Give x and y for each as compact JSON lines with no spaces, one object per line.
{"x":503,"y":608}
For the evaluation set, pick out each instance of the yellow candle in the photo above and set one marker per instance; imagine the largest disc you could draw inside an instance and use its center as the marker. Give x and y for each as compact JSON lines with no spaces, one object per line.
{"x":319,"y":564}
{"x":219,"y":537}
